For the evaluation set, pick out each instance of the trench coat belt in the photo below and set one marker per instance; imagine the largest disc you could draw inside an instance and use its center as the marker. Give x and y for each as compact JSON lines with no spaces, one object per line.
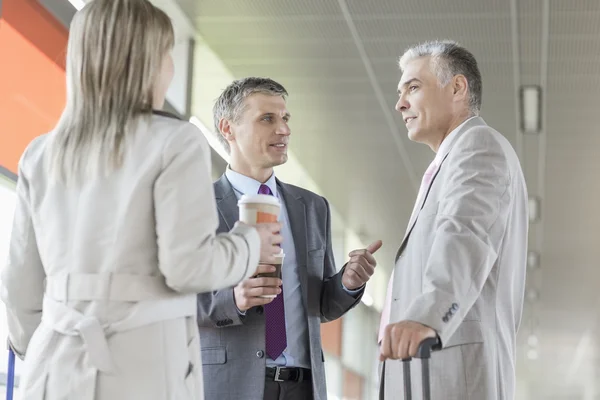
{"x":155,"y":302}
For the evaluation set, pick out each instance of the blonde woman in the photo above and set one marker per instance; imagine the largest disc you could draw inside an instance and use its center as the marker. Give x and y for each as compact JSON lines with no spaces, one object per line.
{"x":114,"y":231}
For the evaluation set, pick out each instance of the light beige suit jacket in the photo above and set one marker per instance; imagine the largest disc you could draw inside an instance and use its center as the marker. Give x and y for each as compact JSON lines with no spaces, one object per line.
{"x":101,"y":281}
{"x":461,"y":268}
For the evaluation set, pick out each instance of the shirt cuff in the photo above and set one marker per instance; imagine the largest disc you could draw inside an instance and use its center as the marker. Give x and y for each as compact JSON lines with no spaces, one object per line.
{"x":242,"y":313}
{"x":355,"y":292}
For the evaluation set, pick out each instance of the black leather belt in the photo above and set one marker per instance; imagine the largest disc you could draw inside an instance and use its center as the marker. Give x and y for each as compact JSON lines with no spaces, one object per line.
{"x":281,"y":374}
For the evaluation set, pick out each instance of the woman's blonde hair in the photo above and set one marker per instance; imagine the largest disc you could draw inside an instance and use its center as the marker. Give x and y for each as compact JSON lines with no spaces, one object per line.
{"x":114,"y":58}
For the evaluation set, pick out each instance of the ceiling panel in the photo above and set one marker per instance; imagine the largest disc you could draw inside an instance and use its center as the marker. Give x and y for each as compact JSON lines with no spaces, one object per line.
{"x":573,"y":22}
{"x":432,"y":8}
{"x":284,"y":50}
{"x":417,"y":30}
{"x":254,"y":31}
{"x":264,"y":8}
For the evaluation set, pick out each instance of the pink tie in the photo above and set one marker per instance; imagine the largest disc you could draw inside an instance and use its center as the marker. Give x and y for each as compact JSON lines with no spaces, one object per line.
{"x":385,"y":314}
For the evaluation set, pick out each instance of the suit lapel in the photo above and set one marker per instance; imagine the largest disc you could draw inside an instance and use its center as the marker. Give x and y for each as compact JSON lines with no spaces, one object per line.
{"x":296,"y":210}
{"x":417,"y":210}
{"x":413,"y":218}
{"x":226,"y":201}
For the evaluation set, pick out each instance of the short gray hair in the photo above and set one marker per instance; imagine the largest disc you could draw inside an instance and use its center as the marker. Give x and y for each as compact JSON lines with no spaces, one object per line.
{"x":230,"y":104}
{"x":449,"y":59}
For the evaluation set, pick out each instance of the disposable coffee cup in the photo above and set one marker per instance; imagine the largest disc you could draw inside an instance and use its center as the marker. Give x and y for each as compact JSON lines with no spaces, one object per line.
{"x":277,"y":274}
{"x":259,"y":208}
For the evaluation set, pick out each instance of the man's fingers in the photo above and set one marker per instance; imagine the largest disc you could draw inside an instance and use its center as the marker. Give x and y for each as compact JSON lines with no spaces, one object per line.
{"x":265,"y":269}
{"x":260,"y":281}
{"x":258,"y":301}
{"x":277,"y":240}
{"x":262,"y":291}
{"x":401,"y":350}
{"x":273,"y":227}
{"x":363,"y":262}
{"x":385,"y":349}
{"x":357,"y":272}
{"x":422,"y":333}
{"x":252,"y":296}
{"x":368,"y":252}
{"x":415,"y":341}
{"x":272,"y":258}
{"x":356,"y":278}
{"x":373,"y":247}
{"x":254,"y":287}
{"x":402,"y":340}
{"x":364,"y":258}
{"x":396,"y":340}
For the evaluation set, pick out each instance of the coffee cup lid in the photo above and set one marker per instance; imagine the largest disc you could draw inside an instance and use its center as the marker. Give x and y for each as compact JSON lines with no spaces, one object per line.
{"x":259,"y":198}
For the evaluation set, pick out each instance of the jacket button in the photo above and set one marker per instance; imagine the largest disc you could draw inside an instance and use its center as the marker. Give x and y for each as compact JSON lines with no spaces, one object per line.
{"x":260,"y":310}
{"x":260,"y":354}
{"x":454,"y":307}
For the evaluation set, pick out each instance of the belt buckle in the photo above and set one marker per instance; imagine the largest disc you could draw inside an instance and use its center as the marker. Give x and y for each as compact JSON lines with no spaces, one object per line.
{"x":277,"y":373}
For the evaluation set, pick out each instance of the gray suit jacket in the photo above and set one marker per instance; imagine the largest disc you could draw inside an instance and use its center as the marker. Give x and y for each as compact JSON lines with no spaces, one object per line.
{"x":233,"y":347}
{"x":461,"y":269}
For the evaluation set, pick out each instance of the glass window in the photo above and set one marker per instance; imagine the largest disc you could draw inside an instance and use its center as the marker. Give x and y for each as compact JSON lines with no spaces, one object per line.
{"x":334,"y":375}
{"x":359,"y":339}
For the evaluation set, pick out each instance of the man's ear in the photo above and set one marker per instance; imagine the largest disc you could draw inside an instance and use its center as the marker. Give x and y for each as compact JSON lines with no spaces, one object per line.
{"x":460,"y":87}
{"x":225,"y":129}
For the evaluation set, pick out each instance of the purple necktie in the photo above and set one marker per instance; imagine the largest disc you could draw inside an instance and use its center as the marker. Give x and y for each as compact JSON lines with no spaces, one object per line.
{"x":275,"y":334}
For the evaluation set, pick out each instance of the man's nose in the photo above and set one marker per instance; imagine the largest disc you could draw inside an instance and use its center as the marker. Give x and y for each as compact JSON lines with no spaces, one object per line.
{"x":283,"y":129}
{"x":402,"y":105}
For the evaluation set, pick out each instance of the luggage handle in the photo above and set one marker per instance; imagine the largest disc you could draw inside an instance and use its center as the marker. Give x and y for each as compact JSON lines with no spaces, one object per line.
{"x":10,"y":376}
{"x":424,"y":351}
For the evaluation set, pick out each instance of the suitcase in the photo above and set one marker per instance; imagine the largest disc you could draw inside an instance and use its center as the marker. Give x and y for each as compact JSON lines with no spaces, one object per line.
{"x":10,"y":377}
{"x":424,"y":351}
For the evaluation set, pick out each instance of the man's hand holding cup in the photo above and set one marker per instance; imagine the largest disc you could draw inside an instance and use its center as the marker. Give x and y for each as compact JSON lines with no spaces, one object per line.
{"x":257,"y":291}
{"x":262,"y":212}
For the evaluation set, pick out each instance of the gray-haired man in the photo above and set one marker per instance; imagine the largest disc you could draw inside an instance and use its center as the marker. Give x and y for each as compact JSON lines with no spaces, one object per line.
{"x":460,"y":270}
{"x":256,"y":348}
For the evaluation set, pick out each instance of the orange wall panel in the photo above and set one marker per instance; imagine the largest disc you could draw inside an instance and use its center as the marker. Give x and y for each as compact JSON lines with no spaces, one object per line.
{"x":32,"y":82}
{"x":331,"y":337}
{"x":40,"y":27}
{"x":352,"y":385}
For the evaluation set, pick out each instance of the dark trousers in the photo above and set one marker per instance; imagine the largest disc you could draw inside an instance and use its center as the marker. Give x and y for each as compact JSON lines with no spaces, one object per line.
{"x":288,"y":390}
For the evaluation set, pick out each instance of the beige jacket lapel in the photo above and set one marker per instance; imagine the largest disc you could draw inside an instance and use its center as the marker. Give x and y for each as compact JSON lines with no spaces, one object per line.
{"x":441,"y":158}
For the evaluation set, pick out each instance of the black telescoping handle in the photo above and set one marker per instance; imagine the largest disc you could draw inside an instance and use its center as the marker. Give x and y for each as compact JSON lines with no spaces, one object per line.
{"x":424,"y":351}
{"x":428,"y":346}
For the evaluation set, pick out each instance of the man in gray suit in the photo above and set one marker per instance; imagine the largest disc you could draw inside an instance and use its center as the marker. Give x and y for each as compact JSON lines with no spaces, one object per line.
{"x":460,"y":270}
{"x":256,"y":348}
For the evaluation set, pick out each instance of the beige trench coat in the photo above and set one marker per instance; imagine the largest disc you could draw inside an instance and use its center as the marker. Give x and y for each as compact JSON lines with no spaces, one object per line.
{"x":100,"y":283}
